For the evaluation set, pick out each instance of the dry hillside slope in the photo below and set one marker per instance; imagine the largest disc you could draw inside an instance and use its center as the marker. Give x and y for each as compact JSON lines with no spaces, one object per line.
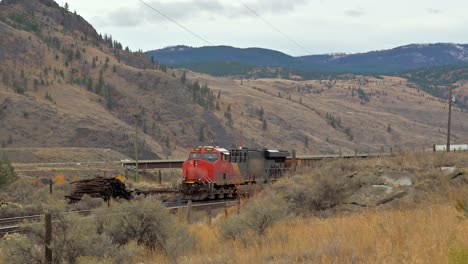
{"x":64,"y":85}
{"x":356,"y":112}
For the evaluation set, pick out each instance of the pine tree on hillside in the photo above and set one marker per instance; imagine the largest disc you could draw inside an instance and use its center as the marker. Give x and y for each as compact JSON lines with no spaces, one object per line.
{"x":7,"y":172}
{"x":109,"y":101}
{"x":201,"y":136}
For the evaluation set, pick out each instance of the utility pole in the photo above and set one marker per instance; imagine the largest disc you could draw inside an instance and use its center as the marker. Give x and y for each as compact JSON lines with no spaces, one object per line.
{"x":449,"y":119}
{"x":136,"y":147}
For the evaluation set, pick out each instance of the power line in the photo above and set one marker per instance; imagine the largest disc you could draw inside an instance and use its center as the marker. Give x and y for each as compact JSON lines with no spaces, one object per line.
{"x":175,"y":22}
{"x":275,"y":28}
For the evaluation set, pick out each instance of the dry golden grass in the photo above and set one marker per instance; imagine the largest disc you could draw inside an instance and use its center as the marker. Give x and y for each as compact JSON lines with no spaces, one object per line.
{"x":429,"y":234}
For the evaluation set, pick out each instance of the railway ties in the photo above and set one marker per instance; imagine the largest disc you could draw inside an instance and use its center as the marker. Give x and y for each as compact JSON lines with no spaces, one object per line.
{"x":200,"y":204}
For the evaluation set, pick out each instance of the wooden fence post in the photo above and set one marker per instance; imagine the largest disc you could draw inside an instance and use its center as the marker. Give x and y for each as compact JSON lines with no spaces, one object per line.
{"x":293,"y":161}
{"x":159,"y":177}
{"x":189,"y":209}
{"x":179,"y":209}
{"x":225,"y":211}
{"x":209,"y":216}
{"x":48,"y":238}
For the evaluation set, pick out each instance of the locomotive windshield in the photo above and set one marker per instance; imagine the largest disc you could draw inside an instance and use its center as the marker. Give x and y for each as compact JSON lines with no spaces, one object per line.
{"x":210,"y":157}
{"x":194,"y":155}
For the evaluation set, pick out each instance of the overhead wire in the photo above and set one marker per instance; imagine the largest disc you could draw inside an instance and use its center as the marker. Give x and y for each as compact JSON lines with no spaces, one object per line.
{"x":274,"y":27}
{"x":175,"y":22}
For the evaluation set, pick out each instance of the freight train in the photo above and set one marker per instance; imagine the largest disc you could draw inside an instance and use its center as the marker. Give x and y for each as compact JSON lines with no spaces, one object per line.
{"x":216,"y":173}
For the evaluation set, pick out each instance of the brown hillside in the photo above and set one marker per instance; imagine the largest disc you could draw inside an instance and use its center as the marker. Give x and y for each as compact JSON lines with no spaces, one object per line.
{"x":65,"y":85}
{"x":320,"y":116}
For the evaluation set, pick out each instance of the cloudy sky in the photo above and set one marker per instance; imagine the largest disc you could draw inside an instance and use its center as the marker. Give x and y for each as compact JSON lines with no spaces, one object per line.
{"x":312,"y":26}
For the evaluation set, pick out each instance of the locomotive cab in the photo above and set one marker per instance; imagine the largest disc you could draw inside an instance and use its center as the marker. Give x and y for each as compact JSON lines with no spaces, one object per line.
{"x":199,"y":166}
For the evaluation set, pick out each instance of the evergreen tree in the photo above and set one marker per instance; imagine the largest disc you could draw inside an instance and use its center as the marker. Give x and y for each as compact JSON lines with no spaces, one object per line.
{"x":100,"y":83}
{"x":109,"y":101}
{"x":201,"y":136}
{"x":7,"y":172}
{"x":228,"y":115}
{"x":261,"y":112}
{"x":89,"y":84}
{"x":183,"y":78}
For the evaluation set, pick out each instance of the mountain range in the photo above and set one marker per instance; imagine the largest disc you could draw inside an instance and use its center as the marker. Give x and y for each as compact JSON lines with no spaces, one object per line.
{"x":409,"y":57}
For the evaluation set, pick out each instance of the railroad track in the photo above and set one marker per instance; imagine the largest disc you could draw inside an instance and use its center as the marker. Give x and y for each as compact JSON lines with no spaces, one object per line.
{"x":201,"y":204}
{"x":12,"y":225}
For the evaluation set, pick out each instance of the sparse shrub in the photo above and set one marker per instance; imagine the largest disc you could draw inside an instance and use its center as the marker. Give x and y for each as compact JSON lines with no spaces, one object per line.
{"x":21,"y":190}
{"x":27,"y":197}
{"x":74,"y":240}
{"x":318,"y":194}
{"x":59,"y":179}
{"x":17,"y":248}
{"x":257,"y":216}
{"x":87,"y":203}
{"x":458,"y":255}
{"x":323,"y":188}
{"x":462,"y":207}
{"x":233,"y":228}
{"x":149,"y":224}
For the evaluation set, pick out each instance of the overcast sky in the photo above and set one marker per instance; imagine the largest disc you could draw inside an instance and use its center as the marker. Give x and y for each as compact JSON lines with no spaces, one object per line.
{"x":319,"y":26}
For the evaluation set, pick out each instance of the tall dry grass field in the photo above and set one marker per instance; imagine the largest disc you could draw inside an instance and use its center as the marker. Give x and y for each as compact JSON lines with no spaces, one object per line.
{"x":430,"y":234}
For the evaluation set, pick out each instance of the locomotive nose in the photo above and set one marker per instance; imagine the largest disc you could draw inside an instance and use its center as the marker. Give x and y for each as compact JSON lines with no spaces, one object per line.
{"x":195,"y":174}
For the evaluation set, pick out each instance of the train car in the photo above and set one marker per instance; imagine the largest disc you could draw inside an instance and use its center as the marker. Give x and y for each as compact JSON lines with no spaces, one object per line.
{"x":213,"y":172}
{"x":453,"y":147}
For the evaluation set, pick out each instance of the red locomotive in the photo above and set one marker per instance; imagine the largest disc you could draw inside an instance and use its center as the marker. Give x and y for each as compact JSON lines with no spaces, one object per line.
{"x":213,"y":172}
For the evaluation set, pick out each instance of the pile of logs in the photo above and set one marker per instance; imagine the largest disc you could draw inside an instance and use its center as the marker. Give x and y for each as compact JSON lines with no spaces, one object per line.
{"x":105,"y":188}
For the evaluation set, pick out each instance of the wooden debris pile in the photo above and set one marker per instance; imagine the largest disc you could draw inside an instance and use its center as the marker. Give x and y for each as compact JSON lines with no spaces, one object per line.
{"x":105,"y":188}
